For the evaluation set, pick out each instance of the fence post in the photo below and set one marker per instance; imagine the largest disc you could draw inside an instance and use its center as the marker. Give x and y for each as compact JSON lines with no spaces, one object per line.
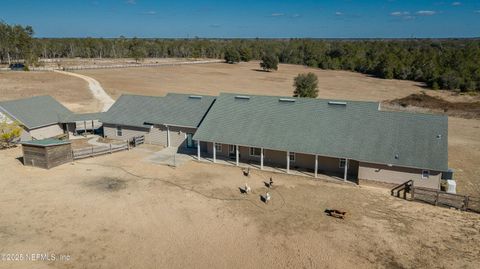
{"x":465,"y":203}
{"x":110,"y":148}
{"x":436,"y":198}
{"x":413,"y":192}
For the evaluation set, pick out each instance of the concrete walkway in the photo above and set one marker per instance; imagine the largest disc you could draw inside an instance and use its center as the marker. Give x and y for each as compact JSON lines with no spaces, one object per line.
{"x":96,"y":89}
{"x":169,"y":156}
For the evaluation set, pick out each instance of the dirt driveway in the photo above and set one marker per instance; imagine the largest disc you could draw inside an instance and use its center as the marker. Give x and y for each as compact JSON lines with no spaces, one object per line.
{"x":117,"y":211}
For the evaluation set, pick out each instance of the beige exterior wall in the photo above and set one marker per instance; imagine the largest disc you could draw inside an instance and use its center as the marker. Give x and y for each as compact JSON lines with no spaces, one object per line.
{"x":398,"y":175}
{"x":178,"y":135}
{"x":128,"y":132}
{"x":155,"y":135}
{"x":47,"y":131}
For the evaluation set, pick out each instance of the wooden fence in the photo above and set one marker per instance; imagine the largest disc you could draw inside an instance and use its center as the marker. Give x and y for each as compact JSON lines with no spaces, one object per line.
{"x":437,"y":197}
{"x":98,"y":150}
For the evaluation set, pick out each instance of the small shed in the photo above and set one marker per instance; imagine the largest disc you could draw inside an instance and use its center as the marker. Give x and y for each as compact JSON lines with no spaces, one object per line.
{"x":46,"y":153}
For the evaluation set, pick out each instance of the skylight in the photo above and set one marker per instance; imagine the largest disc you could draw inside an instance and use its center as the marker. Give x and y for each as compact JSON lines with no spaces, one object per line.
{"x":288,"y":100}
{"x":242,"y":97}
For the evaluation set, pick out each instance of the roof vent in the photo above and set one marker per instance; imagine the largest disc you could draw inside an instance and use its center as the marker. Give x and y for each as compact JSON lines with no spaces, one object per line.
{"x":286,"y":100}
{"x":242,"y":97}
{"x":396,"y":157}
{"x":439,"y":136}
{"x":195,"y":97}
{"x":337,"y":103}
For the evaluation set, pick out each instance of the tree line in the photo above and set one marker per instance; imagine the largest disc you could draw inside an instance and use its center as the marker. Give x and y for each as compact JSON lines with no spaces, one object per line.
{"x":452,"y":64}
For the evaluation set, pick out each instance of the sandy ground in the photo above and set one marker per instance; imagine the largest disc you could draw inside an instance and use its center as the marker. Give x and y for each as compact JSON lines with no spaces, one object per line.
{"x":119,"y":211}
{"x":70,"y":91}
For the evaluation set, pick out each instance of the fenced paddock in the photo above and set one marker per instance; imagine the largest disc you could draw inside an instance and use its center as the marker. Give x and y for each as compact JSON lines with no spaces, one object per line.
{"x":98,"y":150}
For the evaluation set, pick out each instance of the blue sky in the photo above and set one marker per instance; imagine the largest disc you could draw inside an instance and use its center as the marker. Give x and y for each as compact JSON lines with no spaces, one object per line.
{"x":269,"y":19}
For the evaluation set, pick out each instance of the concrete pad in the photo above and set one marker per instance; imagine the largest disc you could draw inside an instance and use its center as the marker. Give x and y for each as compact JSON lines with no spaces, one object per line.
{"x":169,"y":156}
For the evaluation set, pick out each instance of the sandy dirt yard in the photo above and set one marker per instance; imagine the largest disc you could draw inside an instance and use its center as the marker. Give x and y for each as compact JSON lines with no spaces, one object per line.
{"x":120,"y":211}
{"x":70,"y":91}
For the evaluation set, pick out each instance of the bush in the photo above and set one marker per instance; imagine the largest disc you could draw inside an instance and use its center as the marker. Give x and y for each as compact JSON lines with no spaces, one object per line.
{"x":232,"y":56}
{"x":269,"y":62}
{"x":306,"y":85}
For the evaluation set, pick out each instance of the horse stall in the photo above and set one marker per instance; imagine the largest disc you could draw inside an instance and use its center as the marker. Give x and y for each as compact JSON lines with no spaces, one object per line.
{"x":46,"y":153}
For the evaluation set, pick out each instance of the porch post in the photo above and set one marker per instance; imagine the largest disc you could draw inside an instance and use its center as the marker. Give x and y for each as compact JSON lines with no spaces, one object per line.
{"x":198,"y":150}
{"x":261,"y":158}
{"x":214,"y":153}
{"x":66,"y":127}
{"x":316,"y":166}
{"x":236,"y":154}
{"x":345,"y":170}
{"x":288,"y":162}
{"x":168,"y":136}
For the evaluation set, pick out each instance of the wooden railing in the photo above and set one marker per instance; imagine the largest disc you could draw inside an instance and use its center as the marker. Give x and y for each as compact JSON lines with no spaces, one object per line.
{"x":437,"y":197}
{"x":98,"y":150}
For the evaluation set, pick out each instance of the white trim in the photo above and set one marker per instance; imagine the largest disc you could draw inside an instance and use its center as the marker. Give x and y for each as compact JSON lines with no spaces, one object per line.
{"x":218,"y":145}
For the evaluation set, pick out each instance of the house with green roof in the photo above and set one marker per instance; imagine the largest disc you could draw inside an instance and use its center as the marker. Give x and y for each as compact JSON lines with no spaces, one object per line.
{"x":170,"y":120}
{"x":350,"y":139}
{"x":40,"y":116}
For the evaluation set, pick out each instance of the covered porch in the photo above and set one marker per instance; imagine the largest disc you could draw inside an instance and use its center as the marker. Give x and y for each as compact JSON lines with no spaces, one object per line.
{"x":315,"y":166}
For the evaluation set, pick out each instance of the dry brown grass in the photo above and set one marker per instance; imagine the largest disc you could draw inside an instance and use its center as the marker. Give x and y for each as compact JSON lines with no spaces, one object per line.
{"x":70,"y":91}
{"x":245,"y":78}
{"x":119,"y":211}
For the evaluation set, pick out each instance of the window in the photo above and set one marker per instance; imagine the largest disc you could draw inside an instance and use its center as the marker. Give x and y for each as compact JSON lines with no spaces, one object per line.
{"x":218,"y":147}
{"x":255,"y":152}
{"x":425,"y":174}
{"x":292,"y":157}
{"x":231,"y":148}
{"x":342,"y":162}
{"x":119,"y":131}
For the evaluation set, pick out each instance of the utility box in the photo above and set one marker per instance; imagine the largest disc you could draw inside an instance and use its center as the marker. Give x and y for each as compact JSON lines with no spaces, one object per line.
{"x":46,"y":153}
{"x":451,"y":187}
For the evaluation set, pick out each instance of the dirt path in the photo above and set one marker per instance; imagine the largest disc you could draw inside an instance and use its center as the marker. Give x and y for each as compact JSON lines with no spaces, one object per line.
{"x":96,"y":89}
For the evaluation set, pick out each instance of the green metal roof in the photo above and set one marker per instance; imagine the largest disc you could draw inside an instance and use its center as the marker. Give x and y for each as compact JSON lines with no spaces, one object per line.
{"x":35,"y":111}
{"x":46,"y":142}
{"x":173,"y":109}
{"x":343,"y":129}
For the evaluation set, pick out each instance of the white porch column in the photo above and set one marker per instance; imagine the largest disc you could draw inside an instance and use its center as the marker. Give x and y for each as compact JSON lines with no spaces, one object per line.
{"x":168,"y":136}
{"x":261,"y":158}
{"x":316,"y":166}
{"x":288,"y":162}
{"x":198,"y":150}
{"x":214,"y":153}
{"x":345,"y":170}
{"x":236,"y":154}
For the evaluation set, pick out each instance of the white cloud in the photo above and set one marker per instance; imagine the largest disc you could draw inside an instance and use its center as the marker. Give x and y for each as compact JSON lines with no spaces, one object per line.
{"x":400,"y":13}
{"x":456,"y":4}
{"x":338,"y":13}
{"x":151,"y":12}
{"x":296,"y":15}
{"x":131,"y":2}
{"x":277,"y":14}
{"x":426,"y":12}
{"x":477,"y":11}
